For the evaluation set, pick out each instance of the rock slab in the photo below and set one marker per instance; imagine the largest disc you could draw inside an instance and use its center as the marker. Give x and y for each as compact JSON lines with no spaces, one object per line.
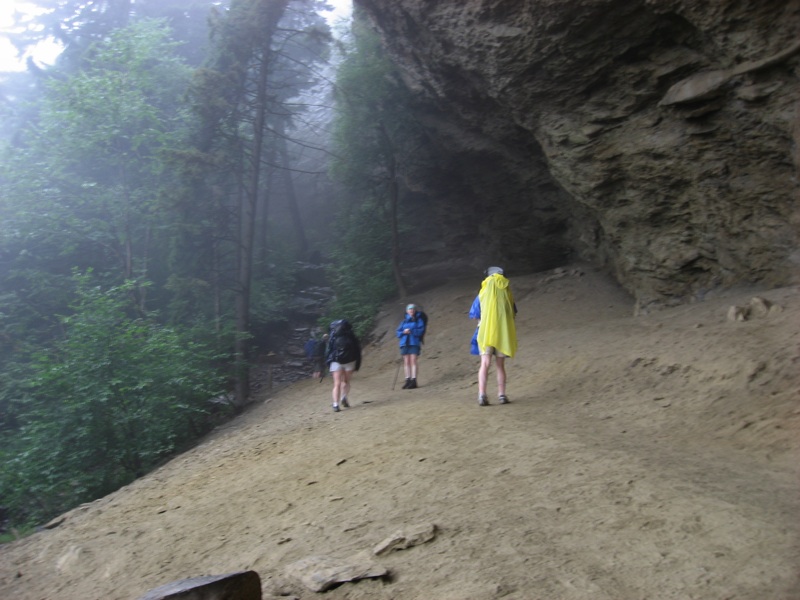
{"x":244,"y":585}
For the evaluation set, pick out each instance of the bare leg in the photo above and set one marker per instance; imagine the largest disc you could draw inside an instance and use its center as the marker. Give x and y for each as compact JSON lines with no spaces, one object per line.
{"x":337,"y":386}
{"x":500,"y":363}
{"x":412,"y":365}
{"x":483,"y":373}
{"x":346,"y":377}
{"x":407,"y":365}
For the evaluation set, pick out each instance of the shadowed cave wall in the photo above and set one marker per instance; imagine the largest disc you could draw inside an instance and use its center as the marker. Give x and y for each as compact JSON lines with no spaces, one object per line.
{"x":654,"y":138}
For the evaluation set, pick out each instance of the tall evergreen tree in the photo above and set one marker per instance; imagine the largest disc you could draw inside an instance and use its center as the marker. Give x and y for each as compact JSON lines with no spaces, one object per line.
{"x":377,"y":145}
{"x":78,"y":25}
{"x":89,"y":177}
{"x":241,"y":100}
{"x":84,"y":382}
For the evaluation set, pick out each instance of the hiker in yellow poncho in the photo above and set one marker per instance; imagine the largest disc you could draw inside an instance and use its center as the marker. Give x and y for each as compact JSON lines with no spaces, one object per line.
{"x":496,"y":334}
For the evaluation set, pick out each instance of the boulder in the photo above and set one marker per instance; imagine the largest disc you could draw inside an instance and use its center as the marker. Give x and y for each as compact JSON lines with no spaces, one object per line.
{"x":244,"y":585}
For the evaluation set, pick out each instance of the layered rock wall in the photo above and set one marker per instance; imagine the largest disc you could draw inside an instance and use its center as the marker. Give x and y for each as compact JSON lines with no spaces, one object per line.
{"x":657,"y":138}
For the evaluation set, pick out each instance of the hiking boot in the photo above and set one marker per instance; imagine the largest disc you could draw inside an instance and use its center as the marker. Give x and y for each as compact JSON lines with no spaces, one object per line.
{"x":483,"y":400}
{"x":412,"y":385}
{"x":335,"y":408}
{"x":407,"y":384}
{"x":503,"y":399}
{"x":345,"y":403}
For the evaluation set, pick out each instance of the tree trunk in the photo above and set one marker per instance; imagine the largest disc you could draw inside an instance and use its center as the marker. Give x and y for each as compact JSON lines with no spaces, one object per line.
{"x":291,"y":199}
{"x":272,"y":12}
{"x":263,"y":207}
{"x":393,"y":210}
{"x":247,"y":206}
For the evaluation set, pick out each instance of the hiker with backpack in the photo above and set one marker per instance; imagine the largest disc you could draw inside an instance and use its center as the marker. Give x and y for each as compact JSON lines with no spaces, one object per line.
{"x":411,"y":333}
{"x":343,"y":357}
{"x":496,"y":334}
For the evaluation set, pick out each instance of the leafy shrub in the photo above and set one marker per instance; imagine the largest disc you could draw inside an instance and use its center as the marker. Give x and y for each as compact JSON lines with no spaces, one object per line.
{"x":103,"y":406}
{"x":362,"y":275}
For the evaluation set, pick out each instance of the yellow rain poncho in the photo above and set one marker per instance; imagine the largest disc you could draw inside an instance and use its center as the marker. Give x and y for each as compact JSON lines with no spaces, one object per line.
{"x":497,"y":328}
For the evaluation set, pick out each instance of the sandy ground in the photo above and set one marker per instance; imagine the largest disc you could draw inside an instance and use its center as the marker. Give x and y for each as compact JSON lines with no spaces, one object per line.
{"x":641,"y":457}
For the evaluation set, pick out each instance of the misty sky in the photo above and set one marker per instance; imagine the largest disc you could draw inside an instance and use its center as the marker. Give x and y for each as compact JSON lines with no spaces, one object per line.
{"x":46,"y":53}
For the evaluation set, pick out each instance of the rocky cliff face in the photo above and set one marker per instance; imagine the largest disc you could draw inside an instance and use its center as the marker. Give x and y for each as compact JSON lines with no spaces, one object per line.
{"x":656,"y":138}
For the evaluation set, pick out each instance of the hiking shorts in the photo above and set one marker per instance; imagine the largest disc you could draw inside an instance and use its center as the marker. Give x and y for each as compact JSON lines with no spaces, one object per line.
{"x":410,"y":350}
{"x":492,"y":351}
{"x":351,"y":366}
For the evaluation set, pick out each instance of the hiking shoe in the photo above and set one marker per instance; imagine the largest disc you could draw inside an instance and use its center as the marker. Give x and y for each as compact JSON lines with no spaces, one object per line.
{"x":412,"y":384}
{"x":407,"y":384}
{"x":335,"y":408}
{"x":503,"y":399}
{"x":345,"y":403}
{"x":483,"y":400}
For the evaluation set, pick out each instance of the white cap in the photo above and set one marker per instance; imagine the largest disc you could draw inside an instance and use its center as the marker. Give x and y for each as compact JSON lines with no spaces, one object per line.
{"x":494,"y":271}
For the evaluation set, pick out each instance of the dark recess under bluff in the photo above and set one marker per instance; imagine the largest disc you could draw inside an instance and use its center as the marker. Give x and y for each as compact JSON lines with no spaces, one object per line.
{"x":656,"y":139}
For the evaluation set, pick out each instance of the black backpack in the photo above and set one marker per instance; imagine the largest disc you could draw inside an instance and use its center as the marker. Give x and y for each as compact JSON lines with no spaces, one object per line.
{"x":345,"y":344}
{"x":422,"y":315}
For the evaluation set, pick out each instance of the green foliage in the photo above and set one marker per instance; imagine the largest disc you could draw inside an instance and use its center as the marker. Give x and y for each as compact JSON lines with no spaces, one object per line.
{"x":103,"y":406}
{"x":273,"y":287}
{"x":94,"y":398}
{"x":376,"y":142}
{"x":374,"y":127}
{"x":242,"y":112}
{"x":84,"y":187}
{"x":362,"y":274}
{"x":364,"y":82}
{"x":16,"y":534}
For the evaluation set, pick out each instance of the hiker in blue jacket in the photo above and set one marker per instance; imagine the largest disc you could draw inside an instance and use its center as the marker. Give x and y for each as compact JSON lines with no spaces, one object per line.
{"x":411,"y":332}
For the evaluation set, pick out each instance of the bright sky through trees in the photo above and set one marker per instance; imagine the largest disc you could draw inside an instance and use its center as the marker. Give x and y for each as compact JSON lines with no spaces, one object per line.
{"x":46,"y":52}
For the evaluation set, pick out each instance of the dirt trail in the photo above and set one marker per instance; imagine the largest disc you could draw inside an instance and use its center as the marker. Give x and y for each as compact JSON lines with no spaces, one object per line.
{"x":641,"y":457}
